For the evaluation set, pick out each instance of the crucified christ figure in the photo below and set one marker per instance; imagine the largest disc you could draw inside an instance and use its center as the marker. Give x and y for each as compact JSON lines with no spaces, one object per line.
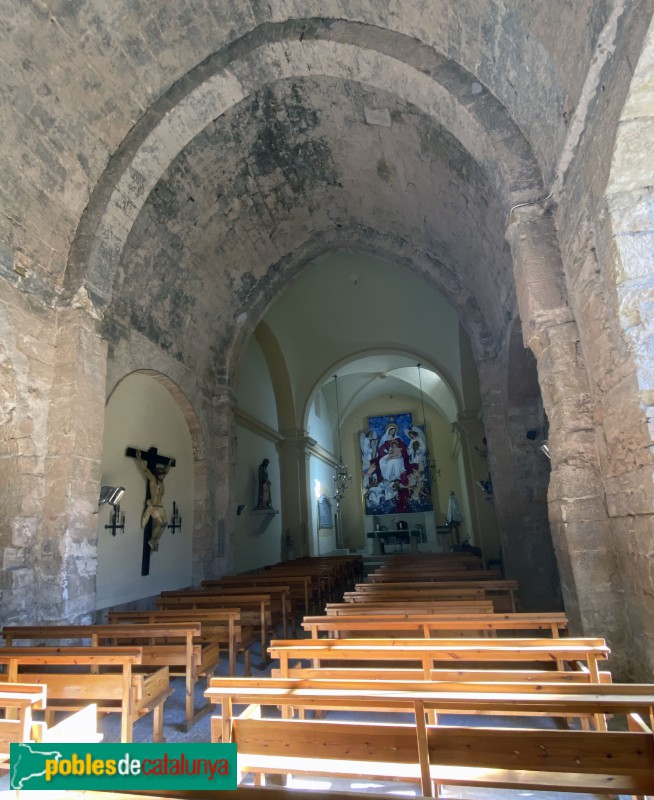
{"x":154,"y":509}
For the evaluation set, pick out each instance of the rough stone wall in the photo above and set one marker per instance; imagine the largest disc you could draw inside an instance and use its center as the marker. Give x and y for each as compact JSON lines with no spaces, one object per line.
{"x":27,"y":332}
{"x":592,"y":269}
{"x":628,"y":244}
{"x":51,"y":364}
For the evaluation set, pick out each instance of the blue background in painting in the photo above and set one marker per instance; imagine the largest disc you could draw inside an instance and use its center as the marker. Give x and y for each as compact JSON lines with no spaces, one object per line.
{"x":379,"y":425}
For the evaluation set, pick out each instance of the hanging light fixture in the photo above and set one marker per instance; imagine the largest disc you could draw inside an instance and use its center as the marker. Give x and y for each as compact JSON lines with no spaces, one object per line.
{"x":431,"y":463}
{"x":342,"y":477}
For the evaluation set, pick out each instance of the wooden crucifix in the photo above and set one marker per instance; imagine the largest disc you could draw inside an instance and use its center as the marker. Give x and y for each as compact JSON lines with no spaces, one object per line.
{"x":153,"y":521}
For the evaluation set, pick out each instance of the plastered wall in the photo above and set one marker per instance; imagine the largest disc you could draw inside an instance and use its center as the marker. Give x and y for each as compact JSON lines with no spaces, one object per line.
{"x":141,"y":413}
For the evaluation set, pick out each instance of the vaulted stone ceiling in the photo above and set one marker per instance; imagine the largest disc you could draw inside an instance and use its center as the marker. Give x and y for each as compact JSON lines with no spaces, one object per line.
{"x":284,"y":131}
{"x":297,"y":161}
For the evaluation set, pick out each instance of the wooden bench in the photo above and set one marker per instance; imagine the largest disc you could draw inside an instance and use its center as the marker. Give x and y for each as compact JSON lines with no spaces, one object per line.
{"x":82,"y":726}
{"x":460,"y":593}
{"x":503,"y":593}
{"x":433,"y":576}
{"x":429,"y":652}
{"x":552,"y":760}
{"x":272,"y":603}
{"x":431,"y":561}
{"x":256,"y":609}
{"x":281,"y":600}
{"x":341,"y":571}
{"x":219,"y":627}
{"x":71,"y":683}
{"x":441,"y":674}
{"x":411,"y":607}
{"x":385,"y":625}
{"x":497,"y":765}
{"x":170,"y":644}
{"x":487,"y":698}
{"x":327,"y":576}
{"x":240,"y":793}
{"x":301,"y":587}
{"x":18,"y":701}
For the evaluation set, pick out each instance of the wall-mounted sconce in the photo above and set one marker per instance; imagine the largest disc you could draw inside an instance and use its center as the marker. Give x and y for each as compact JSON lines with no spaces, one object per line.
{"x":486,"y":486}
{"x":176,"y":519}
{"x":116,"y":521}
{"x":545,"y":448}
{"x":111,"y":494}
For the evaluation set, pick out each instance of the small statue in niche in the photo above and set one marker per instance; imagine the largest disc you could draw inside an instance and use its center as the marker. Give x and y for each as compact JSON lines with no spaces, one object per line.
{"x":454,"y":518}
{"x":264,"y":498}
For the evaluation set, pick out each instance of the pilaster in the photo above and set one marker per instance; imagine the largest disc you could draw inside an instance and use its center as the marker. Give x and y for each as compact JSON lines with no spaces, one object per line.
{"x":67,"y":552}
{"x":577,"y":507}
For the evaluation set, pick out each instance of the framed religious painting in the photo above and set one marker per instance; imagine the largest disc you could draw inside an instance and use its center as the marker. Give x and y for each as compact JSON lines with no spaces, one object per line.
{"x":395,"y":472}
{"x":325,"y":516}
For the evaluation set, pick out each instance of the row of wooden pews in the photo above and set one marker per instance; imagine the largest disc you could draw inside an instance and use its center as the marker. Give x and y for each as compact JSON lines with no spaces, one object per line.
{"x":468,"y":661}
{"x":115,"y":679}
{"x":125,"y":665}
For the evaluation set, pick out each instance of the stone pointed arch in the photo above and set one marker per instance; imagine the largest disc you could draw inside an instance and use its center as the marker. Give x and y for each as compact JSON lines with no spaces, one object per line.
{"x":279,"y":376}
{"x":389,"y":61}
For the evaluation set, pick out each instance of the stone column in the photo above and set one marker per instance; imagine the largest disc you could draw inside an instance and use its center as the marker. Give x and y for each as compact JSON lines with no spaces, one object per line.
{"x":520,"y":478}
{"x":66,"y":559}
{"x":294,"y":469}
{"x":27,"y":362}
{"x":213,"y":547}
{"x":577,"y":507}
{"x":483,"y":522}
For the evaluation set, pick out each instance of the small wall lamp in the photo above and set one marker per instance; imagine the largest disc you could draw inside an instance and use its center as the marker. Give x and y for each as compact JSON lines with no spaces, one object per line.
{"x":545,"y":448}
{"x":111,"y":494}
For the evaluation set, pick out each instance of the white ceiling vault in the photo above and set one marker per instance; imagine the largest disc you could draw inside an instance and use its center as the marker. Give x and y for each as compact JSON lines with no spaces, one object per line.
{"x":370,"y":322}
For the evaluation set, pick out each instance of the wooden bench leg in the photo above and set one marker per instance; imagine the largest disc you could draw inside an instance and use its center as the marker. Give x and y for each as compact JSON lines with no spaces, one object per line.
{"x":190,"y":702}
{"x":423,"y":749}
{"x":157,"y":723}
{"x":126,"y":726}
{"x":247,"y":667}
{"x":232,"y":659}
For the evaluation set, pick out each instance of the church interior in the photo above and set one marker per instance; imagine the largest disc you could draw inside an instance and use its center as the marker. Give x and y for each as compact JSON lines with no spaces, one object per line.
{"x":291,"y":285}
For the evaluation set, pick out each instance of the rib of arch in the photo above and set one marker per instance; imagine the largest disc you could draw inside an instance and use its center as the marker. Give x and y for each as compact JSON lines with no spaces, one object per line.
{"x":479,"y":122}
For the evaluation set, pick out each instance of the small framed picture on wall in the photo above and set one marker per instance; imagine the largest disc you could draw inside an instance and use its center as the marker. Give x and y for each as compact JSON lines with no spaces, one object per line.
{"x":325,"y":517}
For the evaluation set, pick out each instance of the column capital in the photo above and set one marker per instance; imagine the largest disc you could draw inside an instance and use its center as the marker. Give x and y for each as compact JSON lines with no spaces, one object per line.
{"x":538,"y":271}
